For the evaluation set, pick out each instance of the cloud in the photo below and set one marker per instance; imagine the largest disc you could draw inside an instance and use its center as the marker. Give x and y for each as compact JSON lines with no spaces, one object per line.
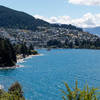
{"x":85,"y":2}
{"x":87,"y":20}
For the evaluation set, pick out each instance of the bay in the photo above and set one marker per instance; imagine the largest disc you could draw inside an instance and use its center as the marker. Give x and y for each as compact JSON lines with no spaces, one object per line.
{"x":43,"y":76}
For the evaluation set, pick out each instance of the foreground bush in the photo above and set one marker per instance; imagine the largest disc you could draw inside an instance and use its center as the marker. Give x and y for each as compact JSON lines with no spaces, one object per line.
{"x":77,"y":94}
{"x":14,"y":93}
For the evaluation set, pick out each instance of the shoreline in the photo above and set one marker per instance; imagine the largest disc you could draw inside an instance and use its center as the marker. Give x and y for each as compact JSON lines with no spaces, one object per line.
{"x":13,"y":67}
{"x":20,"y":60}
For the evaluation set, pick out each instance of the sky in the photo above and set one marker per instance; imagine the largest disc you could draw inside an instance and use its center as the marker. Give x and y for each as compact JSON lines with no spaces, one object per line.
{"x":82,"y":13}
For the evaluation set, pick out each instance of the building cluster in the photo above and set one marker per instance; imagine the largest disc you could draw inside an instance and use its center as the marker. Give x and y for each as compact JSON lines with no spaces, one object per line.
{"x":43,"y":35}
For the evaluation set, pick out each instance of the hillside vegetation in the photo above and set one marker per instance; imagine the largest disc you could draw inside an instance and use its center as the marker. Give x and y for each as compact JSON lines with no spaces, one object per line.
{"x":10,"y":18}
{"x":14,"y":93}
{"x":7,"y":53}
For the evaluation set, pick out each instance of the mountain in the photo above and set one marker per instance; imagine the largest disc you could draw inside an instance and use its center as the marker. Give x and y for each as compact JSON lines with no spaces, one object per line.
{"x":20,"y":27}
{"x":10,"y":18}
{"x":95,"y":30}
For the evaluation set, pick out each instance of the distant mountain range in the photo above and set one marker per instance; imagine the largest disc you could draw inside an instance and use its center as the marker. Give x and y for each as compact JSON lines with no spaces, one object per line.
{"x":10,"y":18}
{"x":95,"y":30}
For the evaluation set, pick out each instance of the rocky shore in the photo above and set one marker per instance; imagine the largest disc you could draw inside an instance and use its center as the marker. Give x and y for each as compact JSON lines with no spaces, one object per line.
{"x":20,"y":59}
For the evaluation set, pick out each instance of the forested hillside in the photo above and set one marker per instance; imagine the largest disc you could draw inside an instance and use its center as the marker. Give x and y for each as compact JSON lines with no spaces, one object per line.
{"x":10,"y":18}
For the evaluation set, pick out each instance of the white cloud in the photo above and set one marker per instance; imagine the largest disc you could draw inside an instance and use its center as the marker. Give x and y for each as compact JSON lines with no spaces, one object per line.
{"x":85,"y":2}
{"x":87,"y":20}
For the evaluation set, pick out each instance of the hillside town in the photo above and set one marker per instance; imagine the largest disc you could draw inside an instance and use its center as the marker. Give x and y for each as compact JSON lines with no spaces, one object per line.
{"x":41,"y":37}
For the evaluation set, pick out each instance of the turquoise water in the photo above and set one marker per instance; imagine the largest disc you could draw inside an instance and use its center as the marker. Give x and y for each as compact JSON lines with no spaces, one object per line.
{"x":43,"y":76}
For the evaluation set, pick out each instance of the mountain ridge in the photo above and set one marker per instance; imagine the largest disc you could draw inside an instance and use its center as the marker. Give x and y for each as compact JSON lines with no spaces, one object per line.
{"x":10,"y":18}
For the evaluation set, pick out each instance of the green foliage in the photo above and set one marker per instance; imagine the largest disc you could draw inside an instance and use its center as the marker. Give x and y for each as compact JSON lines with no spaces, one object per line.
{"x":25,"y":50}
{"x":34,"y":52}
{"x":78,"y":94}
{"x":16,"y":88}
{"x":54,"y":43}
{"x":10,"y":18}
{"x":66,"y":26}
{"x":7,"y":53}
{"x":77,"y":43}
{"x":83,"y":44}
{"x":14,"y":93}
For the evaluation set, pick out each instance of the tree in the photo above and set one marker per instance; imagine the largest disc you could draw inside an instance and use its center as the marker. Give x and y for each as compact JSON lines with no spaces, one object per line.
{"x":24,"y":49}
{"x":54,"y":42}
{"x":16,"y":89}
{"x":7,"y":53}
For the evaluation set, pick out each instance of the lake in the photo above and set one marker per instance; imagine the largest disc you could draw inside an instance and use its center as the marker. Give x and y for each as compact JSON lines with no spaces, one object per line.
{"x":43,"y":76}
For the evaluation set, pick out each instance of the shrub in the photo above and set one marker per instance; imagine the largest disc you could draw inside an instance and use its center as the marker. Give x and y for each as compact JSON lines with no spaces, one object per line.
{"x":77,"y":94}
{"x":34,"y":52}
{"x":14,"y":93}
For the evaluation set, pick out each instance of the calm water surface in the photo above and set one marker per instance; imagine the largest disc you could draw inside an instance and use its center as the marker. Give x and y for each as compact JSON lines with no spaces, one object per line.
{"x":43,"y":76}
